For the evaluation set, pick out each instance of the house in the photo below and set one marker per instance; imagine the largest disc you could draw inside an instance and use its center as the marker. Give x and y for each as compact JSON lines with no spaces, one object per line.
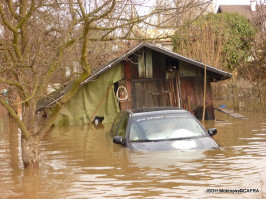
{"x":255,"y":13}
{"x":160,"y":37}
{"x":144,"y":76}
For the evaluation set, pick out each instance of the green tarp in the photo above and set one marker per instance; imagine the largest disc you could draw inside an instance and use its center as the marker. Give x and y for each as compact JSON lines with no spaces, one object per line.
{"x":96,"y":98}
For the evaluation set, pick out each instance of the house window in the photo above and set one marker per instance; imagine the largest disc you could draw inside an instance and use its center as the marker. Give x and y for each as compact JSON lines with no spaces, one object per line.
{"x":145,"y":63}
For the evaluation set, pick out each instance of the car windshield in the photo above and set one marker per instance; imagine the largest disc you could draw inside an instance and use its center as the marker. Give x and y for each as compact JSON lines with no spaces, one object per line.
{"x":163,"y":127}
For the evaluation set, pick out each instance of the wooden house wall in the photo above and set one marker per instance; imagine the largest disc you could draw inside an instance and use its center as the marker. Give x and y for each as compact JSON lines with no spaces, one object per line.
{"x":192,"y":96}
{"x":192,"y":81}
{"x":154,"y":79}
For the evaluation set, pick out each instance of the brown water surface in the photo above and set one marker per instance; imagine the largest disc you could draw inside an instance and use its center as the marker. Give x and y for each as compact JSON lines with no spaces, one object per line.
{"x":83,"y":162}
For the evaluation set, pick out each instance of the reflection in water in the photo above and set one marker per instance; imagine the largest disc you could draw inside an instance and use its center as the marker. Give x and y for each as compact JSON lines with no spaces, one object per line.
{"x":83,"y":162}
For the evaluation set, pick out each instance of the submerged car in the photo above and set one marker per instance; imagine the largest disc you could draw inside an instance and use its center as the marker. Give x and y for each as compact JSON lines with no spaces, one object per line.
{"x":161,"y":129}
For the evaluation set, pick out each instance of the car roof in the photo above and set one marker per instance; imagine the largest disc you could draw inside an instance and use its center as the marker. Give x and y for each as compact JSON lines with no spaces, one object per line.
{"x":155,"y":110}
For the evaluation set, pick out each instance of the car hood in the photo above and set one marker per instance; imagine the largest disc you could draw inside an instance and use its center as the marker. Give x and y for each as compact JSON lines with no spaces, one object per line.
{"x":195,"y":143}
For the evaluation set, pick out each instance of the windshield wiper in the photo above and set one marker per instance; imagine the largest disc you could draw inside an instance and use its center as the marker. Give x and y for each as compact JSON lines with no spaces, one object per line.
{"x":167,"y":139}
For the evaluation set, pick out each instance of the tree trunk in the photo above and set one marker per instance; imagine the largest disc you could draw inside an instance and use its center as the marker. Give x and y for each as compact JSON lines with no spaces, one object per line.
{"x":30,"y":152}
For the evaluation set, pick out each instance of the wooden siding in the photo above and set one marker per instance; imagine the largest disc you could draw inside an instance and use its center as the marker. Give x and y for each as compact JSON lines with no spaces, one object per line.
{"x":188,"y":70}
{"x":158,"y":61}
{"x":192,"y":97}
{"x":141,"y":64}
{"x":153,"y":79}
{"x":146,"y":93}
{"x":148,"y":64}
{"x":125,"y":105}
{"x":133,"y":60}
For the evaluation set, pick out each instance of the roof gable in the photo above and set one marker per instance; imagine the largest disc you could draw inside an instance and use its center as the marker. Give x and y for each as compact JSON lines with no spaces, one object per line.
{"x":217,"y":73}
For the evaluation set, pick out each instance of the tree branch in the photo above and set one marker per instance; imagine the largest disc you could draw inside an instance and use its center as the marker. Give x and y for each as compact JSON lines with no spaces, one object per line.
{"x":9,"y":26}
{"x":11,"y":9}
{"x":8,"y":82}
{"x":24,"y":132}
{"x":28,"y":14}
{"x":100,"y":8}
{"x":56,"y":109}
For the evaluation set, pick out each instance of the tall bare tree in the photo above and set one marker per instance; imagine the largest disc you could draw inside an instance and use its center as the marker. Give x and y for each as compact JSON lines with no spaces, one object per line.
{"x":41,"y":40}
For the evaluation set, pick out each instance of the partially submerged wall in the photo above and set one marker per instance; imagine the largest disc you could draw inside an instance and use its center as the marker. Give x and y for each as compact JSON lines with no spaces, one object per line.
{"x":192,"y":81}
{"x":96,"y":98}
{"x":154,"y":79}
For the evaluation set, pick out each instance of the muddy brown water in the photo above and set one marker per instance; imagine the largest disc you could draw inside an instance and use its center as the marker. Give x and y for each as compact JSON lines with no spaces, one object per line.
{"x":83,"y":162}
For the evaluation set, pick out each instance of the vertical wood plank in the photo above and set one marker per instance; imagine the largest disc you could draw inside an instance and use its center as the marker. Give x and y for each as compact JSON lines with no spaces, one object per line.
{"x":141,"y":63}
{"x":128,"y":74}
{"x":148,"y":62}
{"x":134,"y":66}
{"x":128,"y":84}
{"x":209,"y":101}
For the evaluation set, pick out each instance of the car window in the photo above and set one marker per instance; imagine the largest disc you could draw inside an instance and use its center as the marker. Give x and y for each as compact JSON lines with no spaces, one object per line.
{"x":116,"y":123}
{"x":122,"y":128}
{"x":166,"y":126}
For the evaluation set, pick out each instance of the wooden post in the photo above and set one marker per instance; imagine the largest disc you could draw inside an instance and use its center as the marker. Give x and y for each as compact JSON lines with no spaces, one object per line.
{"x":204,"y":93}
{"x":173,"y":91}
{"x":178,"y":88}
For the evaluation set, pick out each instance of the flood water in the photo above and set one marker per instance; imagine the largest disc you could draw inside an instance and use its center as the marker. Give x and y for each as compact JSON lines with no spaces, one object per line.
{"x":83,"y":162}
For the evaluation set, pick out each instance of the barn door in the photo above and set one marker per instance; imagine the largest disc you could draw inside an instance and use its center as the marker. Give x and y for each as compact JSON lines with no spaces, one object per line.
{"x":146,"y":93}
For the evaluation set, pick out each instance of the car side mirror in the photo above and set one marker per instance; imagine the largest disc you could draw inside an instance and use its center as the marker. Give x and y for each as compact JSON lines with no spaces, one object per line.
{"x":212,"y":131}
{"x":118,"y":140}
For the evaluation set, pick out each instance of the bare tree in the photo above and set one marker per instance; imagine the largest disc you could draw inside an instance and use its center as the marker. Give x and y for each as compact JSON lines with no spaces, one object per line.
{"x":254,"y":70}
{"x":41,"y":40}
